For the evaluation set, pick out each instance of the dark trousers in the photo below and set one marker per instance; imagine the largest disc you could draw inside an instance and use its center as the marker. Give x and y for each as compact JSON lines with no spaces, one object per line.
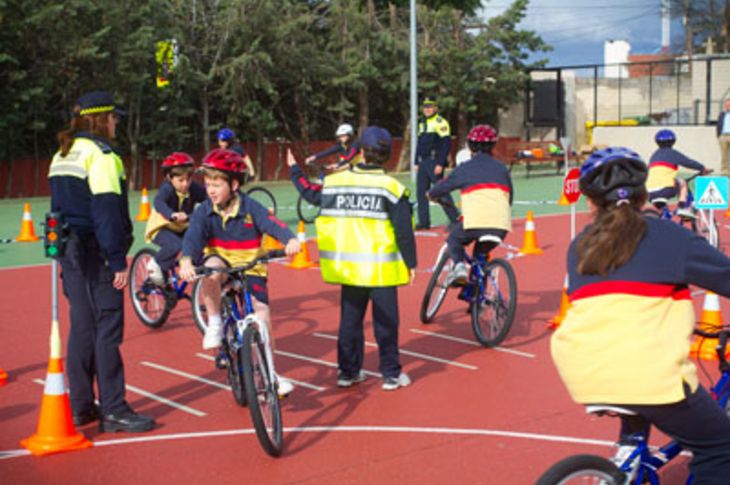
{"x":699,"y":424}
{"x":351,"y":340}
{"x":424,"y":180}
{"x":170,"y":244}
{"x":97,"y":327}
{"x":460,"y":237}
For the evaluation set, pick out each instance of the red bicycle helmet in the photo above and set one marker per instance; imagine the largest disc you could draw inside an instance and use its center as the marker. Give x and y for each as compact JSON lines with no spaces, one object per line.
{"x":482,"y":134}
{"x":226,"y":161}
{"x":178,"y":159}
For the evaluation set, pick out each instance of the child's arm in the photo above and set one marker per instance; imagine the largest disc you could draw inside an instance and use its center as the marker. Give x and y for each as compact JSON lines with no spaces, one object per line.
{"x":401,"y":217}
{"x":193,"y":242}
{"x":267,"y":223}
{"x":707,"y":267}
{"x":160,"y":203}
{"x":323,"y":154}
{"x":687,"y":162}
{"x":312,"y":193}
{"x":445,"y":186}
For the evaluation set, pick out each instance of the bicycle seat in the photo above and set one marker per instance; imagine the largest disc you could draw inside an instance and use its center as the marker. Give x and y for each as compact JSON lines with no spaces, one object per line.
{"x":659,"y":202}
{"x":607,"y":409}
{"x":490,"y":238}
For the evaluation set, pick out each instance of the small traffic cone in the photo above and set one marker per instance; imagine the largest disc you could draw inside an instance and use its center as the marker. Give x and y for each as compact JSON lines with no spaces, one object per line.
{"x":27,"y":233}
{"x":564,"y":305}
{"x":710,"y":321}
{"x":727,"y":212}
{"x":530,"y":245}
{"x":301,"y":260}
{"x":563,"y":200}
{"x":56,"y":431}
{"x":3,"y":378}
{"x":144,"y":207}
{"x":270,"y":244}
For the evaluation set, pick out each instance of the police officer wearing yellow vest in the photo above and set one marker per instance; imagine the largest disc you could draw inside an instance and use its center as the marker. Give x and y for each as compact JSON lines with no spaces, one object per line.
{"x":366,"y":244}
{"x":432,"y":151}
{"x":88,"y":188}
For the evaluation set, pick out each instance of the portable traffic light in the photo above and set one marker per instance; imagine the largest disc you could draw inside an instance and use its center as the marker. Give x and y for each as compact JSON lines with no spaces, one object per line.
{"x":54,"y":241}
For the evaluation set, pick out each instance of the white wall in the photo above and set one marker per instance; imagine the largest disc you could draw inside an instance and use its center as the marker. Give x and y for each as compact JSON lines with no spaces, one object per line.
{"x":697,"y":142}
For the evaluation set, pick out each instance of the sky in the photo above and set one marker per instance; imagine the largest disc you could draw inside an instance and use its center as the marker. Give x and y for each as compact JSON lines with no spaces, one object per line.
{"x":577,"y":29}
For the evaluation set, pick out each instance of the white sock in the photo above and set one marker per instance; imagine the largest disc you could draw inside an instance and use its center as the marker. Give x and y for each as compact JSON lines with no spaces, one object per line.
{"x":215,"y":321}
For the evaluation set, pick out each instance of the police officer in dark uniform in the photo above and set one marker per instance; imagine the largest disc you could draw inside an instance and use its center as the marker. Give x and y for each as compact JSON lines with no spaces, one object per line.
{"x":88,"y":188}
{"x":432,"y":152}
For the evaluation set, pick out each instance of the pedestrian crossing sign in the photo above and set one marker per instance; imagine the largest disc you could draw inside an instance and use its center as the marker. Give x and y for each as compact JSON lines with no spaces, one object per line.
{"x":711,"y":192}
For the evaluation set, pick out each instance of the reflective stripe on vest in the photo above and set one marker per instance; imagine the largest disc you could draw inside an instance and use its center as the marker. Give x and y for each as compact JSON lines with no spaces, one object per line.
{"x":356,"y":238}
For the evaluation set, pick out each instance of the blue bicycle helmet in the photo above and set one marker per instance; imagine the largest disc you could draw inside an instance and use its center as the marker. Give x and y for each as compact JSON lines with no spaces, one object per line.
{"x":613,"y":174}
{"x":665,"y":136}
{"x":226,"y":134}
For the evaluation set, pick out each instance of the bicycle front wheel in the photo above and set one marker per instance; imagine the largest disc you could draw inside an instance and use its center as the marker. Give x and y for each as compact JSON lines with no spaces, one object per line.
{"x":149,"y":301}
{"x":493,"y":308}
{"x":583,"y":469}
{"x":264,"y":197}
{"x":200,"y":314}
{"x":437,"y":287}
{"x":261,"y":392}
{"x":235,"y":365}
{"x":307,"y":212}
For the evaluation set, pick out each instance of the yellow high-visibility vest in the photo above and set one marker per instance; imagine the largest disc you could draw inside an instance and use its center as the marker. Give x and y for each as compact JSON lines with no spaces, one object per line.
{"x":356,"y":238}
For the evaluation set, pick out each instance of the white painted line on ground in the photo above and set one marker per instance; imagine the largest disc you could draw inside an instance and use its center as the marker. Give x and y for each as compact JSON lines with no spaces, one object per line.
{"x":299,"y":383}
{"x":180,"y":373}
{"x":409,"y":352}
{"x":314,"y":360}
{"x":697,"y":293}
{"x":42,"y":382}
{"x":471,"y":342}
{"x":346,"y":429}
{"x":164,"y":400}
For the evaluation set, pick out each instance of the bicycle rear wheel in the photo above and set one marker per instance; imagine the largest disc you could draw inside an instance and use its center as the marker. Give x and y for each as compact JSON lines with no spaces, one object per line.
{"x":235,"y":364}
{"x":307,"y":212}
{"x":264,"y":197}
{"x":493,"y":311}
{"x":583,"y":469}
{"x":150,"y":302}
{"x":261,"y":392}
{"x":437,"y":288}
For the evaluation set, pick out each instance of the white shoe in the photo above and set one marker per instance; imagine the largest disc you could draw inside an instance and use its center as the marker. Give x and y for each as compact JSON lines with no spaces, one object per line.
{"x":458,"y":276}
{"x":285,"y":386}
{"x":686,"y":212}
{"x":393,"y":383}
{"x":154,"y":272}
{"x":213,"y":337}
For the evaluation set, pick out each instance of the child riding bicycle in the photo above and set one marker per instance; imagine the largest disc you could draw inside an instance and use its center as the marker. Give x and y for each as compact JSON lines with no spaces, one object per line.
{"x":625,"y":339}
{"x":664,"y":163}
{"x":347,"y":149}
{"x":175,"y":200}
{"x":227,"y":141}
{"x":228,"y":228}
{"x":486,"y":198}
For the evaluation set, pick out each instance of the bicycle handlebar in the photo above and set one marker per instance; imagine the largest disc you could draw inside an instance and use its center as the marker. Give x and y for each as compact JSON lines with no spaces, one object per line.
{"x":721,"y":333}
{"x":206,"y":271}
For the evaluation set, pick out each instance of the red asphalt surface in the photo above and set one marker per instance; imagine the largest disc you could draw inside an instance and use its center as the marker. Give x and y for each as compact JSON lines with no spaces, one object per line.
{"x":493,"y":417}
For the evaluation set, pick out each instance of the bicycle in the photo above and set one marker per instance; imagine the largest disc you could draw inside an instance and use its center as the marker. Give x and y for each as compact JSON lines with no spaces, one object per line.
{"x":262,"y":195}
{"x":246,"y":354}
{"x":306,"y":211}
{"x":151,"y":302}
{"x":702,"y":221}
{"x":624,"y":469}
{"x":491,"y":292}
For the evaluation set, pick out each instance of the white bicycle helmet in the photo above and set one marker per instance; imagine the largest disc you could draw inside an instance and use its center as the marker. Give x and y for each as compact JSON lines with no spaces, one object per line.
{"x":345,"y":129}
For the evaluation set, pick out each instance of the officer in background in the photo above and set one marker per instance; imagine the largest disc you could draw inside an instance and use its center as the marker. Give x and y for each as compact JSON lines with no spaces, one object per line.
{"x":432,"y":152}
{"x":366,"y":244}
{"x":89,"y":189}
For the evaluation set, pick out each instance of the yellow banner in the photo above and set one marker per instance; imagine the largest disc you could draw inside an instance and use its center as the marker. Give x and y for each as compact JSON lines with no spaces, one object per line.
{"x":166,"y":56}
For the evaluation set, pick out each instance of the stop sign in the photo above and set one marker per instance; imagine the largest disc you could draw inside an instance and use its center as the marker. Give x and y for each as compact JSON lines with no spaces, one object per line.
{"x":571,"y":189}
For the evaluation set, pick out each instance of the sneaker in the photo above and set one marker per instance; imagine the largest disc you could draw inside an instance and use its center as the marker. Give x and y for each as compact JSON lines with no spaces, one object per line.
{"x":285,"y":386}
{"x":128,"y":421}
{"x":458,"y":276}
{"x":393,"y":383}
{"x":87,"y":416}
{"x":213,"y":337}
{"x":154,"y":272}
{"x":686,"y":213}
{"x":344,"y":380}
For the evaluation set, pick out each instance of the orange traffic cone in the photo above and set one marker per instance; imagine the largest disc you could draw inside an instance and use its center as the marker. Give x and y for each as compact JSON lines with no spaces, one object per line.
{"x":727,"y":212}
{"x":301,"y":260}
{"x":563,"y":200}
{"x":710,"y":321}
{"x":27,"y":233}
{"x":3,"y":378}
{"x":56,"y":431}
{"x":144,"y":207}
{"x":564,"y":305}
{"x":270,"y":244}
{"x":530,"y":246}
